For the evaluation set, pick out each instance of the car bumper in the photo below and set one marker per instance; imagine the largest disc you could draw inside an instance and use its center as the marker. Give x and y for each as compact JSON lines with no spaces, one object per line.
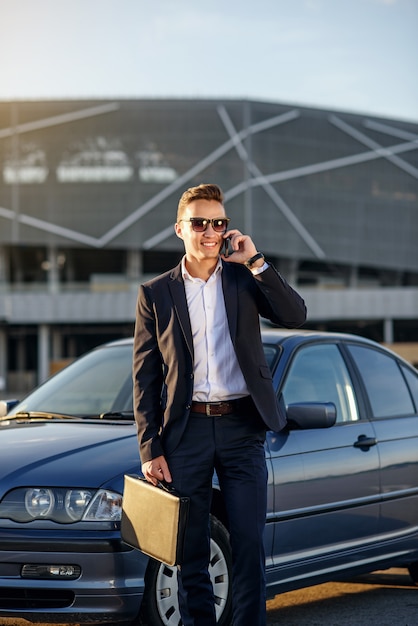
{"x":109,"y":588}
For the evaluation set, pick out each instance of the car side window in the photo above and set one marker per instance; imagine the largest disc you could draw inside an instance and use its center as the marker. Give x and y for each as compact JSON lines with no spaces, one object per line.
{"x":412,"y":380}
{"x":318,"y":374}
{"x":385,"y":386}
{"x":271,"y":353}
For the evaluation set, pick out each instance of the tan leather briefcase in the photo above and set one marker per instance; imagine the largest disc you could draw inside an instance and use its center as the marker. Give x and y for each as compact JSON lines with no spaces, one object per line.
{"x":154,"y":519}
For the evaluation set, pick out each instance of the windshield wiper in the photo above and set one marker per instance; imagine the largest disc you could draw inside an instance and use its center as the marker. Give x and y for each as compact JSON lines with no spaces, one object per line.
{"x":116,"y":414}
{"x":38,"y":415}
{"x":29,"y":415}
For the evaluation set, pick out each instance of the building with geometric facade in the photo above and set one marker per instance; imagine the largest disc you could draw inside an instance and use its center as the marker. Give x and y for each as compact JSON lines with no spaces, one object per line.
{"x":88,"y":198}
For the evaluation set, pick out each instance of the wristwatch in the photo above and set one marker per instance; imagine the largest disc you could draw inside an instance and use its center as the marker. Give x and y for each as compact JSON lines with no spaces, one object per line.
{"x":253,"y":259}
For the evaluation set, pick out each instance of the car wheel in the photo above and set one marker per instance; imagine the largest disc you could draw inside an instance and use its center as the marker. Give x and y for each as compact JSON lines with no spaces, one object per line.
{"x":413,"y":571}
{"x":160,"y":604}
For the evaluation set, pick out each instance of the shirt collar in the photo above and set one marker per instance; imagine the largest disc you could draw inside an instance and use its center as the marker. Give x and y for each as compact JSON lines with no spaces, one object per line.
{"x":187,"y":276}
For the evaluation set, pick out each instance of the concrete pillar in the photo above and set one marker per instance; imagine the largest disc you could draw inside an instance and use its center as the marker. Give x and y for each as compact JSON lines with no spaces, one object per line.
{"x":134,"y":265}
{"x":3,"y":360}
{"x":388,"y":331}
{"x":52,"y":270}
{"x":43,"y":353}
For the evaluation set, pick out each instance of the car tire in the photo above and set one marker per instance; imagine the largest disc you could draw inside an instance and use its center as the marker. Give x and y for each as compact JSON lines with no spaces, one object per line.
{"x":160,"y":604}
{"x":413,"y":571}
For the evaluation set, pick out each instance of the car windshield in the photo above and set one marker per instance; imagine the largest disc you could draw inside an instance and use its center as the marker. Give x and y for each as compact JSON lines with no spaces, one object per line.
{"x":99,"y":382}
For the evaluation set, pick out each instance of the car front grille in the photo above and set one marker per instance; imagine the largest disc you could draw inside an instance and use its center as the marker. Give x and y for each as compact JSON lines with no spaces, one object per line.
{"x":35,"y":598}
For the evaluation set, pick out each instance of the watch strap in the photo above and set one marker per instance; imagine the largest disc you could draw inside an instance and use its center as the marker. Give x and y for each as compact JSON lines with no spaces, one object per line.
{"x":253,"y":259}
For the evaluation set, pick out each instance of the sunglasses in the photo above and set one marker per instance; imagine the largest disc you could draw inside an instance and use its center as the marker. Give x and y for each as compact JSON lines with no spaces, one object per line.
{"x":200,"y":224}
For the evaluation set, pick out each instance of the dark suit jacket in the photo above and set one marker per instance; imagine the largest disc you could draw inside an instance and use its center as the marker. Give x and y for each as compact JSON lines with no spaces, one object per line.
{"x":163,"y":349}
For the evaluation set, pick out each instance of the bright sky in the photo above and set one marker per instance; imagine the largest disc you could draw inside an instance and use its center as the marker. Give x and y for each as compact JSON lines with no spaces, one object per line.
{"x":349,"y":55}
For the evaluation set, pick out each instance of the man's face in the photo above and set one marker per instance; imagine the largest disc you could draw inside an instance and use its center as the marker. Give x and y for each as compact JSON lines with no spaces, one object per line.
{"x":205,"y":245}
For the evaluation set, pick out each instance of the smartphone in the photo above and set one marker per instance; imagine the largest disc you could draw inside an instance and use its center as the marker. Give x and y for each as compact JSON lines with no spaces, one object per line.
{"x":226,"y":248}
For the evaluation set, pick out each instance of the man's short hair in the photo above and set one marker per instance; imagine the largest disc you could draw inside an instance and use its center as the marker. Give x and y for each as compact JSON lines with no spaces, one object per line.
{"x":201,"y":192}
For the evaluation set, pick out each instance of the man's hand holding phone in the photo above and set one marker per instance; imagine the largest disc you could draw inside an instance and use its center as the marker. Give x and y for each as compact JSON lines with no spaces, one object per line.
{"x":237,"y":248}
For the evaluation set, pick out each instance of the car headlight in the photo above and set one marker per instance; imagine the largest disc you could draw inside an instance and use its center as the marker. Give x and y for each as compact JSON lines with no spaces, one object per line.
{"x":39,"y":502}
{"x":105,"y":506}
{"x":76,"y":502}
{"x":61,"y":505}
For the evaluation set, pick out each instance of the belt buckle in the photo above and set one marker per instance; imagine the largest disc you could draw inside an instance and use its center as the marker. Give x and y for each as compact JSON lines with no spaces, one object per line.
{"x":208,"y":407}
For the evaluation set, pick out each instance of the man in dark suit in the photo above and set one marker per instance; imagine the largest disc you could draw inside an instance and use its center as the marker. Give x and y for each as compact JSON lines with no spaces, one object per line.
{"x":203,"y":395}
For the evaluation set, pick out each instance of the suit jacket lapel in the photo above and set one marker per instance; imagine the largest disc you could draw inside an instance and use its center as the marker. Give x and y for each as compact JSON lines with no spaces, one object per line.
{"x":230,"y":289}
{"x":178,"y":294}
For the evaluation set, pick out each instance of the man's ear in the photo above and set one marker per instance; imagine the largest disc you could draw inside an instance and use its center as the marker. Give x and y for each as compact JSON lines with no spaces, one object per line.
{"x":177,"y":229}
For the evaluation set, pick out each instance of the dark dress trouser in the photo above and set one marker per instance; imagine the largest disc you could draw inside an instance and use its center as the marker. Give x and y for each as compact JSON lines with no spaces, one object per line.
{"x":234,"y":446}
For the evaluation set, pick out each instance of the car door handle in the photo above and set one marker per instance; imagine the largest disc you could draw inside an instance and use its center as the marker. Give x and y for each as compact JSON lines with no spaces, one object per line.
{"x":365,"y":442}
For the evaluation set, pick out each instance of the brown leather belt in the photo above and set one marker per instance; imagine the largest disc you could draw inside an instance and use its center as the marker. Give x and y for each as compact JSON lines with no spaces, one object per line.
{"x":214,"y":409}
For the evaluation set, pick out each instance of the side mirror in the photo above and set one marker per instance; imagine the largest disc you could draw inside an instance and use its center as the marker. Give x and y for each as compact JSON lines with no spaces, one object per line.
{"x":305,"y":415}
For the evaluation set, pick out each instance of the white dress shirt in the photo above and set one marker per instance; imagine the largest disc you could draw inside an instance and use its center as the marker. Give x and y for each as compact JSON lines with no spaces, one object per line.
{"x":217,"y":375}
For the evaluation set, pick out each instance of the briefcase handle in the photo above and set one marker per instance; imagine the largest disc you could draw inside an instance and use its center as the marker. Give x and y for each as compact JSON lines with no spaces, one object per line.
{"x":162,"y":484}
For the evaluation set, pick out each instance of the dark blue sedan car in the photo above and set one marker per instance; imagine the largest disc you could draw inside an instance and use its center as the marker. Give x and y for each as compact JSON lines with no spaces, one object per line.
{"x":342,"y":499}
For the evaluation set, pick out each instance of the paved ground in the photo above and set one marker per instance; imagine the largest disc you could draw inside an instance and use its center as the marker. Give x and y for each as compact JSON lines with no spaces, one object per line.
{"x":381,"y":599}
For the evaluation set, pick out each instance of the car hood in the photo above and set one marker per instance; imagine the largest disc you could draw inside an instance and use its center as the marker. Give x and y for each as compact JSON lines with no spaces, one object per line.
{"x":71,"y":454}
